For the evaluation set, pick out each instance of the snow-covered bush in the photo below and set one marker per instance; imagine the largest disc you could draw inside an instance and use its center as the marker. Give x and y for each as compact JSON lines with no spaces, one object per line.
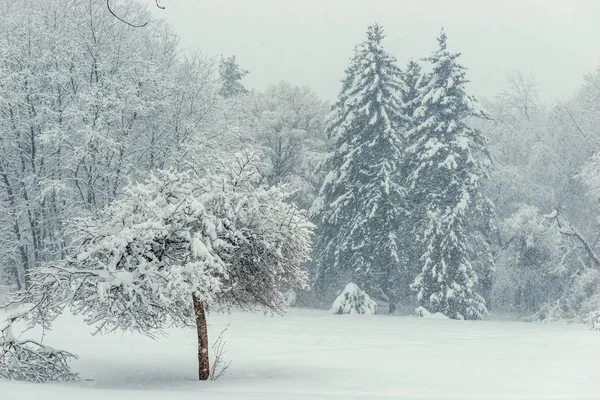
{"x":354,"y":301}
{"x":421,"y":312}
{"x":424,"y":313}
{"x":291,"y":297}
{"x":171,"y":248}
{"x":31,"y":361}
{"x":594,"y":320}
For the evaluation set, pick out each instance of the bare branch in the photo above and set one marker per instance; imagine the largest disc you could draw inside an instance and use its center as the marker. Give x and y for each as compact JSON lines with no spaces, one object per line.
{"x":568,"y":230}
{"x":126,"y":22}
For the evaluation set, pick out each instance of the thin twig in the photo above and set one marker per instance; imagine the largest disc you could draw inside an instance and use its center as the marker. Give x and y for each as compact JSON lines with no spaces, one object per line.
{"x":219,"y":367}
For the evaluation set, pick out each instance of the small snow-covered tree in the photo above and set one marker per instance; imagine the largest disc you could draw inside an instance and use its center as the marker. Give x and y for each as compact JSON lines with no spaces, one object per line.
{"x":445,"y":176}
{"x":360,"y":202}
{"x":173,"y":247}
{"x":231,"y":74}
{"x":353,"y":300}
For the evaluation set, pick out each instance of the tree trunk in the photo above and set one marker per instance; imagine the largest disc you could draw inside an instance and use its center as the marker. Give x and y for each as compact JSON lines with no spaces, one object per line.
{"x":392,"y":308}
{"x":202,"y":328}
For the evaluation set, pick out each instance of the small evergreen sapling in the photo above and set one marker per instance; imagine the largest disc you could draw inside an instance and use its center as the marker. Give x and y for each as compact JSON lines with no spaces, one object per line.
{"x":354,"y":301}
{"x":231,"y":75}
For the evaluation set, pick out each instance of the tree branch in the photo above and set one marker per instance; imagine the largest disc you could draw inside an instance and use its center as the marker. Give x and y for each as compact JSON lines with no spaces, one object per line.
{"x":571,"y":231}
{"x":126,"y":22}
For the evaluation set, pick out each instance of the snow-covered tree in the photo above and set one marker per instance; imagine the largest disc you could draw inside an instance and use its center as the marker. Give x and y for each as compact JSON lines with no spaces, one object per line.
{"x":353,"y":300}
{"x":172,"y":248}
{"x":289,"y":125}
{"x":360,"y":202}
{"x":531,"y":263}
{"x":89,"y":104}
{"x":539,"y":151}
{"x":231,"y":74}
{"x":546,"y":269}
{"x":446,"y":174}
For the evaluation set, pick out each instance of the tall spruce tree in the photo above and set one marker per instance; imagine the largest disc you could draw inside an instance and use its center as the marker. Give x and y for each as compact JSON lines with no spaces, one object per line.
{"x":445,"y":188}
{"x":414,"y":80}
{"x":360,"y":202}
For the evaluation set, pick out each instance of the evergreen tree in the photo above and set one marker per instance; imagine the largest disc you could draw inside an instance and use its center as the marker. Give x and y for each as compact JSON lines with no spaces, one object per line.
{"x":445,"y":181}
{"x":231,"y":74}
{"x":359,"y":205}
{"x":414,"y":80}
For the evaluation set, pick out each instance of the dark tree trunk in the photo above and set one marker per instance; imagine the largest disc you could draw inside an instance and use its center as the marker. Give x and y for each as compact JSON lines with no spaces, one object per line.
{"x":391,"y":297}
{"x":202,"y":328}
{"x":392,"y":308}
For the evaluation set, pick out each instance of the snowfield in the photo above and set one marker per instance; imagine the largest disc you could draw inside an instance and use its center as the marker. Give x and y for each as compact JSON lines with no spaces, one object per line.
{"x":310,"y":354}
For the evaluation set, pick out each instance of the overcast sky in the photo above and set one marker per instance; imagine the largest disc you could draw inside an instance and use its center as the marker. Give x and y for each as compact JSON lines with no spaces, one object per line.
{"x":308,"y":42}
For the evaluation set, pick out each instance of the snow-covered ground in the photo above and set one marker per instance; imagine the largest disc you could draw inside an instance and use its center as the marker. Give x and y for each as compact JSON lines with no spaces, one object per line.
{"x":312,"y":355}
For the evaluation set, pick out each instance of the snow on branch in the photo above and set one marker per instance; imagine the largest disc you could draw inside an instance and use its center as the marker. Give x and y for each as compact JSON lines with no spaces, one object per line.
{"x":32,"y":361}
{"x":567,"y":229}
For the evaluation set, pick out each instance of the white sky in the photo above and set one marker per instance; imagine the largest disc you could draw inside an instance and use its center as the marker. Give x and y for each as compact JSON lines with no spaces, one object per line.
{"x":308,"y":42}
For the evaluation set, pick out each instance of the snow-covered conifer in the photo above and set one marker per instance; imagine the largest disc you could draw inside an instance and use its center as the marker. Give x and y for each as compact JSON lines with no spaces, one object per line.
{"x":360,"y":202}
{"x":231,"y":74}
{"x":446,"y":176}
{"x":353,"y":300}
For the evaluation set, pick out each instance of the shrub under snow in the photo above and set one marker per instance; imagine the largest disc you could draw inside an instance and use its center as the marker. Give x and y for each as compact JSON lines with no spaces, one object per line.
{"x":291,"y":298}
{"x":354,"y":301}
{"x":422,"y":312}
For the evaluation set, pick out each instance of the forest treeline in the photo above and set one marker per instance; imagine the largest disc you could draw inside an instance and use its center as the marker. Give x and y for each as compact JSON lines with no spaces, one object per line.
{"x":420,"y":194}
